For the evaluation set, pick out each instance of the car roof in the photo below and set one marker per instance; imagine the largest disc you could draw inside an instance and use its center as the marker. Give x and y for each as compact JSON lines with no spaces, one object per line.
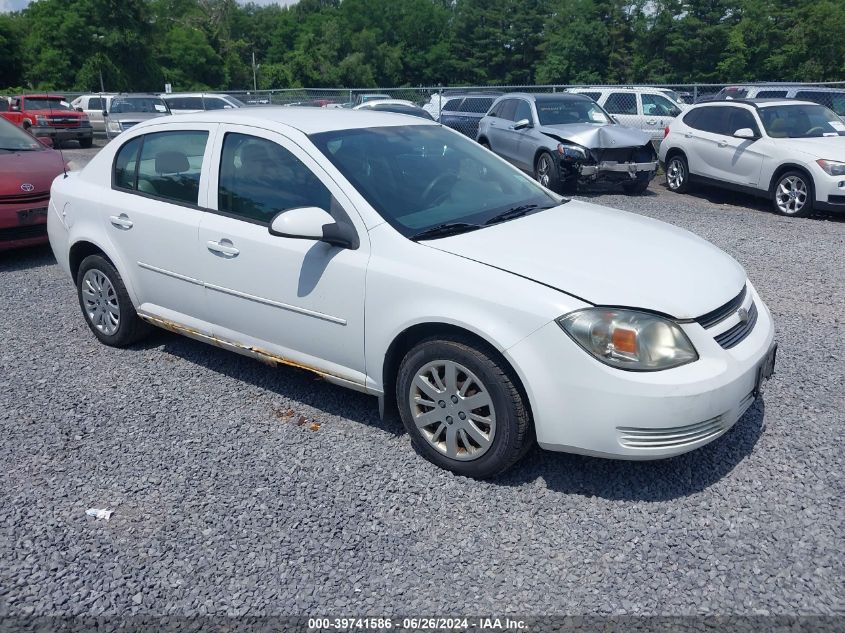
{"x":756,"y":103}
{"x":548,"y":96}
{"x":39,"y":96}
{"x":306,"y":120}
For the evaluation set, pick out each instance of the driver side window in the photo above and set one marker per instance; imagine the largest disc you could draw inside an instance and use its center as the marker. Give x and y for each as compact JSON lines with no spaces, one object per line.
{"x":523,"y":111}
{"x":259,"y":178}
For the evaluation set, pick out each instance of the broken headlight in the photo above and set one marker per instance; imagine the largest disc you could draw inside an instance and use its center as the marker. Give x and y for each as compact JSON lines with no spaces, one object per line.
{"x":571,"y":152}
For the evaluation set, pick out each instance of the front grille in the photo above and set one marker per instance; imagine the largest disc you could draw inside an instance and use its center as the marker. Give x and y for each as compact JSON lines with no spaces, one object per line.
{"x":57,"y":121}
{"x":671,"y":437}
{"x":735,"y":335}
{"x":25,"y":198}
{"x":624,"y":154}
{"x":723,"y":312}
{"x":23,"y":232}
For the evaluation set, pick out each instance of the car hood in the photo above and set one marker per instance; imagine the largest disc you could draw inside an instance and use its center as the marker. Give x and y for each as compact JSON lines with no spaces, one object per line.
{"x":136,"y":116}
{"x":37,"y":168}
{"x":829,"y":147}
{"x":607,"y":257}
{"x":597,"y":136}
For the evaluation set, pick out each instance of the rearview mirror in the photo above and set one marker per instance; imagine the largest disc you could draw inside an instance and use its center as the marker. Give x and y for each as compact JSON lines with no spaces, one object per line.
{"x":522,"y":124}
{"x":313,"y":223}
{"x":746,"y":133}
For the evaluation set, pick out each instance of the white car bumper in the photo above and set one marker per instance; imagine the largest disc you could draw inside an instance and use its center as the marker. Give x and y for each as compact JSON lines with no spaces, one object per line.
{"x":583,"y":406}
{"x":830,"y":191}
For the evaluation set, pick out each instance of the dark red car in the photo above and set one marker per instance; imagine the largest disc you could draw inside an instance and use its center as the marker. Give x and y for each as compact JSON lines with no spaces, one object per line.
{"x":27,"y":169}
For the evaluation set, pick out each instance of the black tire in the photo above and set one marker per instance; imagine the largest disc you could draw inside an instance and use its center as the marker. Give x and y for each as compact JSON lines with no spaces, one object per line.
{"x":86,"y":143}
{"x":485,"y":144}
{"x":130,"y":327}
{"x":638,"y":186}
{"x":800,"y":206}
{"x":552,"y":170}
{"x":681,"y":183}
{"x":513,"y":435}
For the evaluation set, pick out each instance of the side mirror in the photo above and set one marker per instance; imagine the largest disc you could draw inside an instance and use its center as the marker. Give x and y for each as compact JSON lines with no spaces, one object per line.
{"x":522,"y":124}
{"x":746,"y":133}
{"x":79,"y":109}
{"x":313,"y":223}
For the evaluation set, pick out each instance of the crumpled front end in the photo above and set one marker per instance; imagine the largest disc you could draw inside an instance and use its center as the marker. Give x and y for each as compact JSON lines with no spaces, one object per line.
{"x":612,"y":153}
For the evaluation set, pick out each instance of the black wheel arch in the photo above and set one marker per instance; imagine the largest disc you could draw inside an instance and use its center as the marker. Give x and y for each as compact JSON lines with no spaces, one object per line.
{"x":782,"y":169}
{"x":79,"y":251}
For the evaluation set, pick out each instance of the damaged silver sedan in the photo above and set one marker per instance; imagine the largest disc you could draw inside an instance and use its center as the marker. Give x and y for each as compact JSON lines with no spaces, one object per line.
{"x":567,"y":139}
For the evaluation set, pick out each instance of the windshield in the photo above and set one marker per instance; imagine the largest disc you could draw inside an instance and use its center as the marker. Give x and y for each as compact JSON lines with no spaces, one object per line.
{"x":46,"y":104}
{"x":801,"y":121}
{"x":138,"y":104}
{"x":570,"y":111}
{"x":14,"y":139}
{"x":421,"y":176}
{"x":235,"y":101}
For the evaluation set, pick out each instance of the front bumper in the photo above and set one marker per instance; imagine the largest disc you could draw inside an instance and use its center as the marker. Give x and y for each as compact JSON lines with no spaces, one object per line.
{"x":830,"y":192}
{"x":62,"y":133}
{"x":23,"y":224}
{"x":613,"y":169}
{"x":583,"y":406}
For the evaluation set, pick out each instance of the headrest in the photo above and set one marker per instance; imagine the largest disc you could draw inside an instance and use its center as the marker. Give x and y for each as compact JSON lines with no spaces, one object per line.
{"x":254,"y":153}
{"x":171,"y":162}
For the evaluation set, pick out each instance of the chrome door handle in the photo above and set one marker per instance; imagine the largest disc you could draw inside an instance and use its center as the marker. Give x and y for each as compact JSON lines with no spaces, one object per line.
{"x":723,"y":143}
{"x":223,"y":247}
{"x":652,"y":122}
{"x":687,"y":135}
{"x":121,"y":221}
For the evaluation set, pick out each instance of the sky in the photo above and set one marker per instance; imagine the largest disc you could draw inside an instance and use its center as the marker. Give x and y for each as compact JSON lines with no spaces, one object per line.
{"x":17,"y":5}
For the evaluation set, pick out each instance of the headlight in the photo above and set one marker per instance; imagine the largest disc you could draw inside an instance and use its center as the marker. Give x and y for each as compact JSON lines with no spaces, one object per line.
{"x":627,"y":339}
{"x":571,"y":152}
{"x":41,"y":120}
{"x":832,"y":167}
{"x":114,"y":126}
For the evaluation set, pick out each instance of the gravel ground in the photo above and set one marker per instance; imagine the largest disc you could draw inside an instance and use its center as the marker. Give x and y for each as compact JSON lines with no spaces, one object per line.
{"x":237,"y":488}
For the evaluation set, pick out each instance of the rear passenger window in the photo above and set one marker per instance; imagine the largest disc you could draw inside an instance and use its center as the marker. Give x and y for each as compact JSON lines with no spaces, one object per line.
{"x":621,"y":103}
{"x":126,"y":164}
{"x":452,"y":105}
{"x":95,"y":103}
{"x":170,"y":165}
{"x":771,"y":94}
{"x":259,"y":178}
{"x":710,"y":119}
{"x":476,"y":105}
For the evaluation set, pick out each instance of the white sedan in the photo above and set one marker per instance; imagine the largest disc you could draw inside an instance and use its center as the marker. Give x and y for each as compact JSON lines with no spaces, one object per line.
{"x":399,"y":258}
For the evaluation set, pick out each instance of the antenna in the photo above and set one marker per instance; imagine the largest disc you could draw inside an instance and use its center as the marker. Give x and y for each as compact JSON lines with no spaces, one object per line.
{"x":61,"y":153}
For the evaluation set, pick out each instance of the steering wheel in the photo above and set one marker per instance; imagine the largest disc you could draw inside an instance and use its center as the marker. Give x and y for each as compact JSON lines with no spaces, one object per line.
{"x":818,"y":129}
{"x":432,"y":186}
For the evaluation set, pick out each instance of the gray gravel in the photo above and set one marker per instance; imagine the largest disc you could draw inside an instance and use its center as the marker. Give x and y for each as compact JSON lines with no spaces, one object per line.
{"x":242,"y":489}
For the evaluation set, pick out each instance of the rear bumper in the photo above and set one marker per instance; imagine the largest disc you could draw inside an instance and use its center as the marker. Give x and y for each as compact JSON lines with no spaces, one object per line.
{"x":23,"y":224}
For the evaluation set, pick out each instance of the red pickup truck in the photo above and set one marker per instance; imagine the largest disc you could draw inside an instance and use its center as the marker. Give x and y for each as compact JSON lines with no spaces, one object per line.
{"x":50,"y":116}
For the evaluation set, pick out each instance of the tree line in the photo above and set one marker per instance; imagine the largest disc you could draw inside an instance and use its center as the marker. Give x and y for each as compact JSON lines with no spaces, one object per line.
{"x":209,"y":44}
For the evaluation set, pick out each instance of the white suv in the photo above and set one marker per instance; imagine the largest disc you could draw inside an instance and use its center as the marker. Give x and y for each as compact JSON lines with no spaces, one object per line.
{"x":647,"y":109}
{"x":790,"y":151}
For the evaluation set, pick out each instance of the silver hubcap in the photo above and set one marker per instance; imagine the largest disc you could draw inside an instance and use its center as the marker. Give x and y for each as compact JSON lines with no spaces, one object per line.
{"x":100,"y":300}
{"x":544,"y":171}
{"x":675,"y":174}
{"x":453,"y":410}
{"x":791,"y":195}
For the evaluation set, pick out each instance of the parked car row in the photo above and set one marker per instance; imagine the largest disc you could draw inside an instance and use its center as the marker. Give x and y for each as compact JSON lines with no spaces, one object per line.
{"x":48,"y":116}
{"x":414,"y":265}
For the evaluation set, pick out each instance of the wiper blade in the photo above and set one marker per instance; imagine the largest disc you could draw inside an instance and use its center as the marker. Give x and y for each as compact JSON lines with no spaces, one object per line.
{"x":517,"y":212}
{"x":444,"y":230}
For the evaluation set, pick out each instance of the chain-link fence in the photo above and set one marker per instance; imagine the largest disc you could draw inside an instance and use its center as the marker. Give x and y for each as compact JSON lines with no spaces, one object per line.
{"x":647,"y":107}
